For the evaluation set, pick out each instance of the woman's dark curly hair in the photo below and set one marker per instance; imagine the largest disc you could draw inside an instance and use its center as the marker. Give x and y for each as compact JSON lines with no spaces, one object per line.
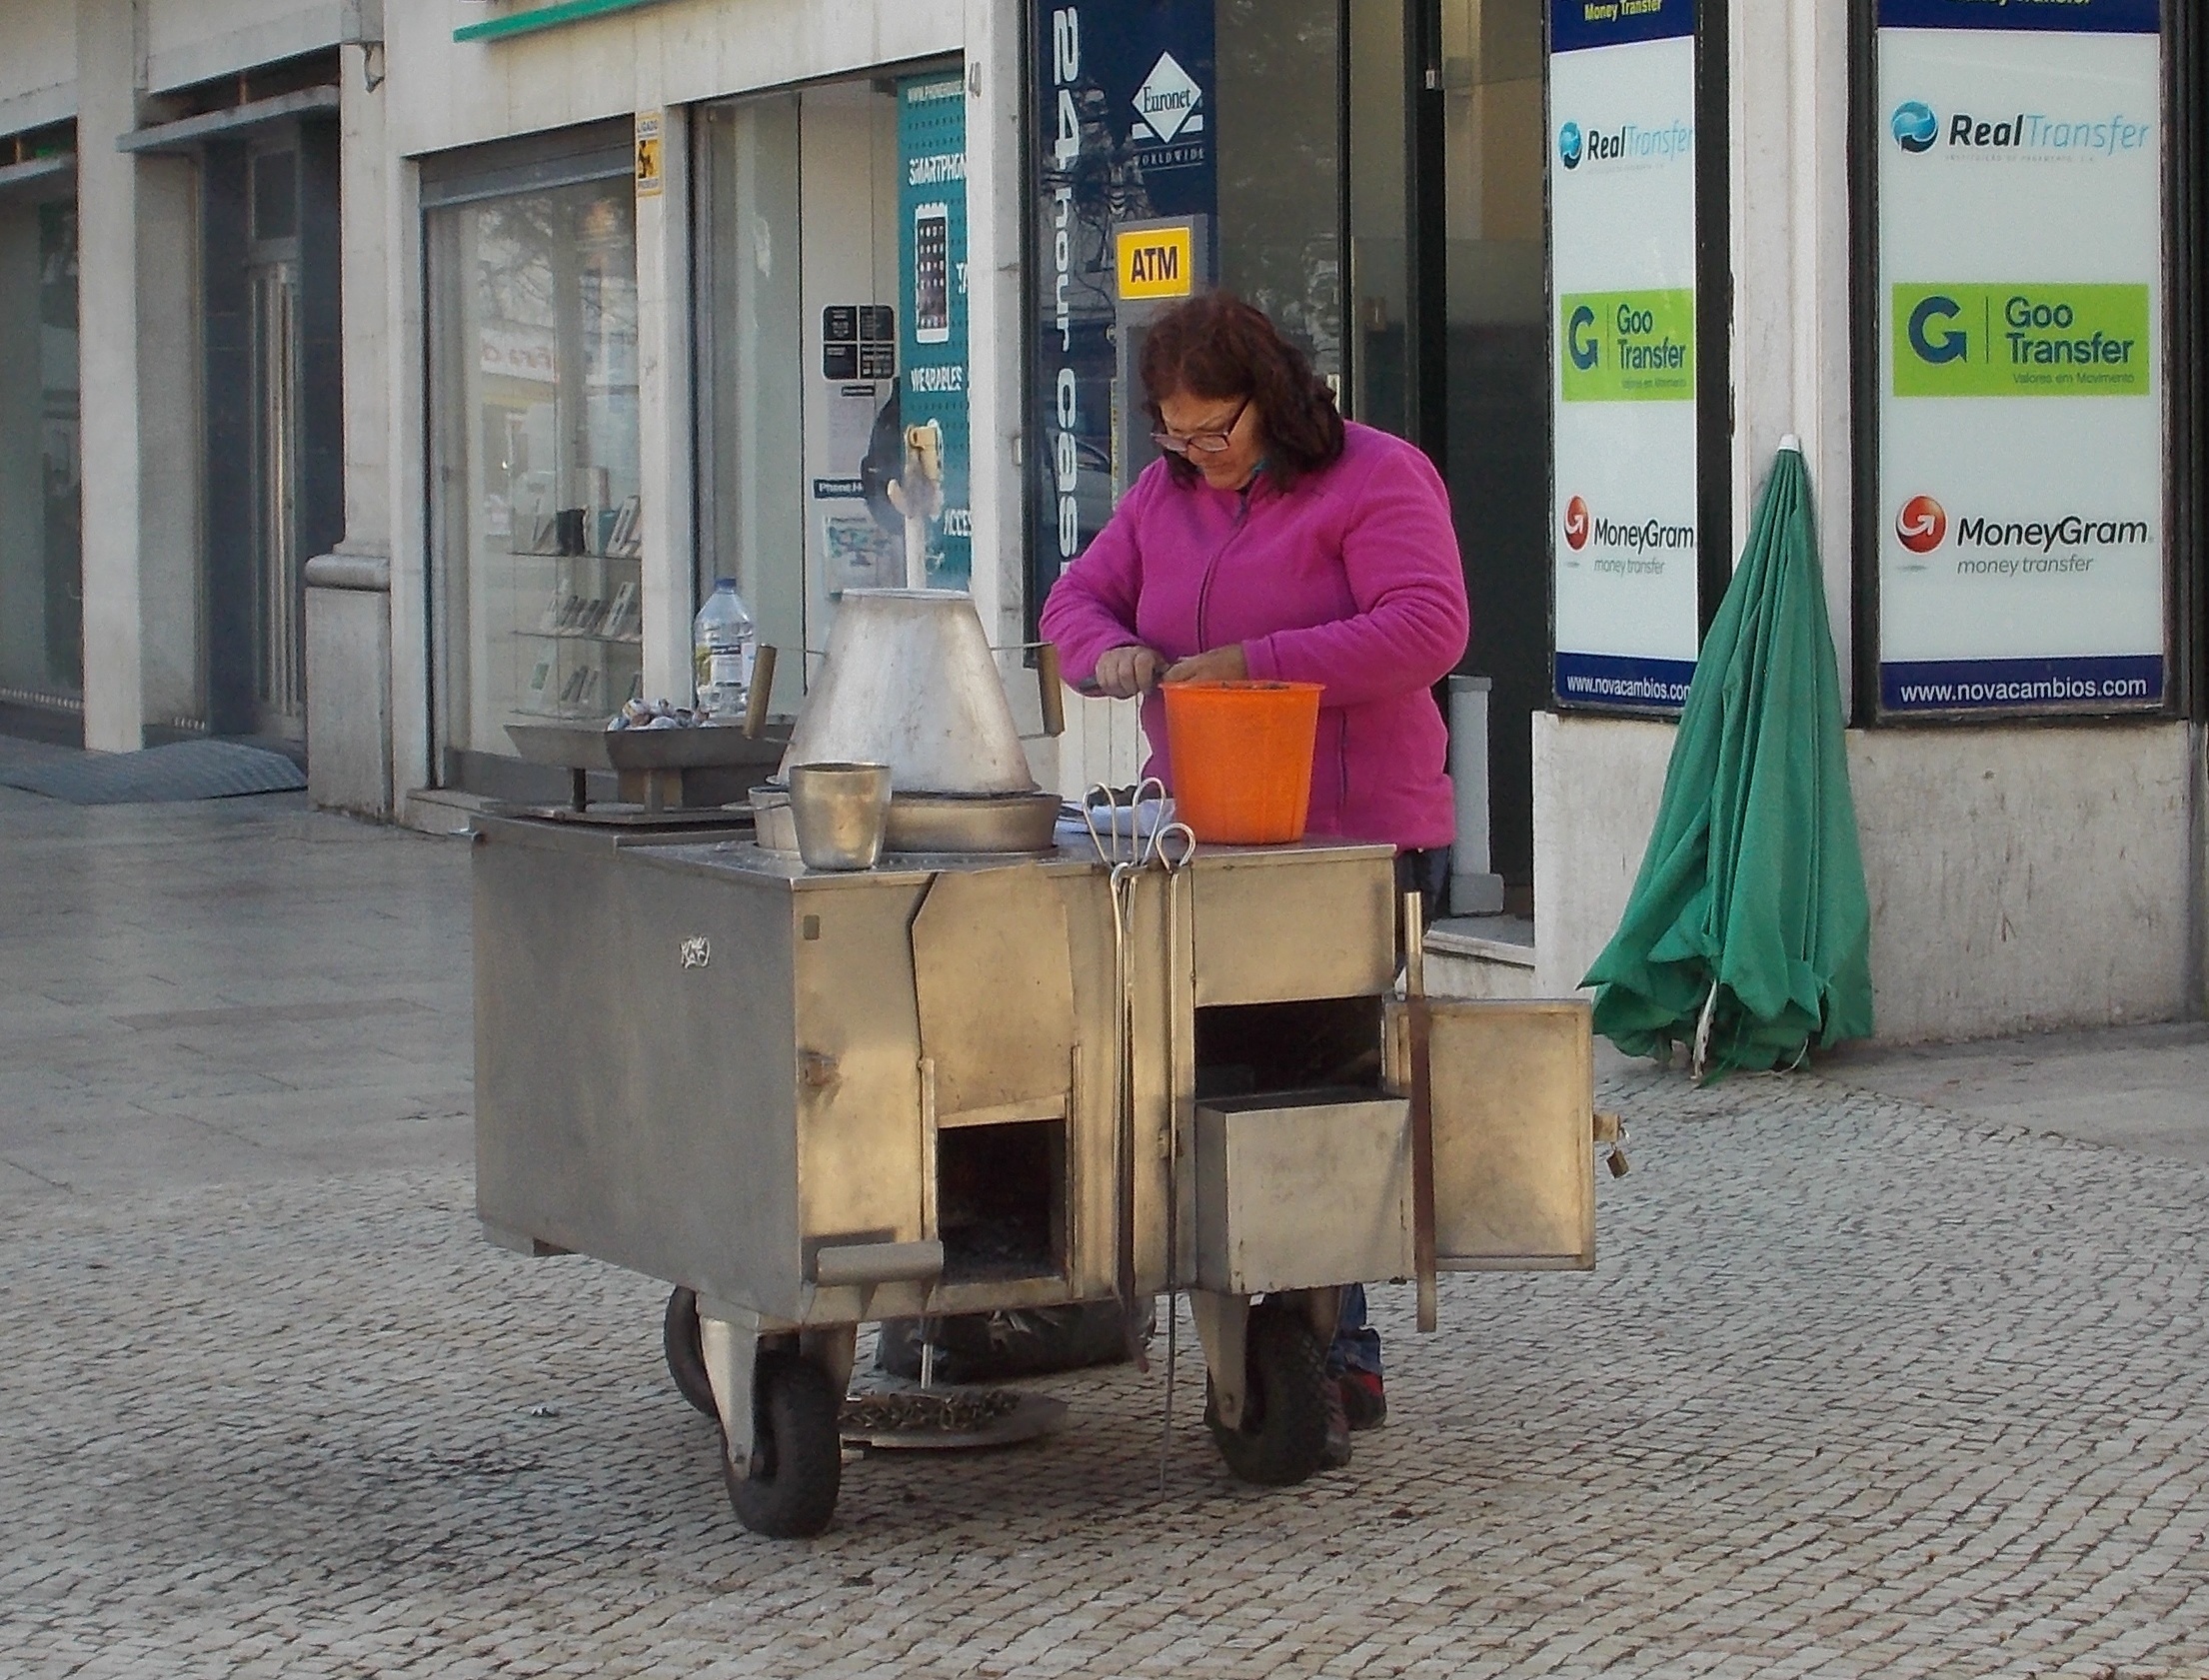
{"x":1217,"y":346}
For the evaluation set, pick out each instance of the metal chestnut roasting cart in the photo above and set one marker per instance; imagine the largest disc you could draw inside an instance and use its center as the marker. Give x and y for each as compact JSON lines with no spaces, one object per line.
{"x":1029,"y":1072}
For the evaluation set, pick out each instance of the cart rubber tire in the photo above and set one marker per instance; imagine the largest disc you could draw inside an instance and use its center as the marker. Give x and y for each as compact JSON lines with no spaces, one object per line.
{"x":1284,"y":1433}
{"x":686,"y":1356}
{"x":796,"y":1452}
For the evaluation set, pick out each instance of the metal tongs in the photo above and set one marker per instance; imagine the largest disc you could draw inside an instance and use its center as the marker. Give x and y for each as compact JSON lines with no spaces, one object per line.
{"x":1134,"y":850}
{"x":1168,"y":847}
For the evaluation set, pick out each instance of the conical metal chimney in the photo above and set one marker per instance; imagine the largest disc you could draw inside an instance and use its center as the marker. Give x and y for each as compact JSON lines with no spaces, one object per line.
{"x":909,"y":681}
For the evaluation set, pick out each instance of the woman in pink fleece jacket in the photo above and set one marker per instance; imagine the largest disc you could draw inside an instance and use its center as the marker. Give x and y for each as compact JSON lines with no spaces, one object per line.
{"x":1274,"y":541}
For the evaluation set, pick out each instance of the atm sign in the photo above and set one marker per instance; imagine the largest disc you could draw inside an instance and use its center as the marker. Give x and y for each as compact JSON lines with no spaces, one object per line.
{"x":1156,"y":263}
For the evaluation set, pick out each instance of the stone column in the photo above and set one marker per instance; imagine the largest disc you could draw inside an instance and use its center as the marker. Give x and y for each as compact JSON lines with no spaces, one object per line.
{"x":138,"y":353}
{"x":663,"y":451}
{"x":1791,"y":241}
{"x":349,"y":628}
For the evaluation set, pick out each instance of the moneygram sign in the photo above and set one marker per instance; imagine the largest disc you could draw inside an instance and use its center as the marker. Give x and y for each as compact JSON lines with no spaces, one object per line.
{"x":1627,"y":547}
{"x":1993,"y":545}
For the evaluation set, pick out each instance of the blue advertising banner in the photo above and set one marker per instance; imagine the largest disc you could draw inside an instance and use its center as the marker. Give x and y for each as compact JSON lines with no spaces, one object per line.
{"x":931,"y":330}
{"x":2023,"y":685}
{"x":1598,"y":680}
{"x":1123,"y":102}
{"x":2064,"y":17}
{"x":1576,"y":25}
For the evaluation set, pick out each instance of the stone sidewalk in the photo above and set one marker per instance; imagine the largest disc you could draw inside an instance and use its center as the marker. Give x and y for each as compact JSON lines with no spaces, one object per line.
{"x":1861,"y":1387}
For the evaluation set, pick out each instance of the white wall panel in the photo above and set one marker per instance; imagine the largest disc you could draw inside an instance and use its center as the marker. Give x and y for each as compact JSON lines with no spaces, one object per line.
{"x":38,"y":63}
{"x":448,"y":93}
{"x":190,"y":41}
{"x":2021,"y":879}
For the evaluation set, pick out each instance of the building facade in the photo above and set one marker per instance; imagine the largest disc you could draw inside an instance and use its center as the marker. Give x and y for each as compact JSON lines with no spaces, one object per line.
{"x":380,"y":374}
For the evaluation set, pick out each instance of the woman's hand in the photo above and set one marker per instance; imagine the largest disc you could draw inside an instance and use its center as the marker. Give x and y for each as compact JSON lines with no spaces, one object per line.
{"x":1221,"y":664}
{"x":1128,"y":672}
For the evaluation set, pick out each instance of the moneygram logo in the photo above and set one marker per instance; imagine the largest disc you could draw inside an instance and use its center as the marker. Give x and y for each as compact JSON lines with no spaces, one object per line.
{"x":1921,"y":525}
{"x":1570,"y":145}
{"x":1915,"y":126}
{"x":1628,"y":549}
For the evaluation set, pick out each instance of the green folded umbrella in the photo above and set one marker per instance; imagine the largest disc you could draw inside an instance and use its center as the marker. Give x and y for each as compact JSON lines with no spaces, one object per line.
{"x":1748,"y":935}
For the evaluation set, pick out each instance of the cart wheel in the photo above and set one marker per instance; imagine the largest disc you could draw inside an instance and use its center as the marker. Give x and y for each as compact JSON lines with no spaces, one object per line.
{"x":797,"y":1453}
{"x":1283,"y":1432}
{"x":686,"y":1360}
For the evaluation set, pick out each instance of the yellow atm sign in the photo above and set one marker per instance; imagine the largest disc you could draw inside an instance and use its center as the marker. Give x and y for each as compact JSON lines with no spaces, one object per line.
{"x":1156,"y":263}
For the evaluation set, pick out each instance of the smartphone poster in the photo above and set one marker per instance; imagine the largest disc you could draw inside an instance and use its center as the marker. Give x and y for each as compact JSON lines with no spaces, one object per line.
{"x":931,"y":268}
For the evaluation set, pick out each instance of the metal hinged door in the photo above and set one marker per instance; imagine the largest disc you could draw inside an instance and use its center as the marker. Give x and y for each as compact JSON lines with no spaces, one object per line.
{"x":1514,"y":1119}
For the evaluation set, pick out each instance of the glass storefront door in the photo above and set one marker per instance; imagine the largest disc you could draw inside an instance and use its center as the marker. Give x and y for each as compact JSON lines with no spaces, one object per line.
{"x":535,"y":511}
{"x":1372,"y":174}
{"x":41,"y":565}
{"x":1497,"y":418}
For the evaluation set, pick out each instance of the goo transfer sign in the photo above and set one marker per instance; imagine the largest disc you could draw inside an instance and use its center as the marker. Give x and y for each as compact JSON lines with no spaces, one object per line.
{"x":2021,"y":414}
{"x":1622,"y":198}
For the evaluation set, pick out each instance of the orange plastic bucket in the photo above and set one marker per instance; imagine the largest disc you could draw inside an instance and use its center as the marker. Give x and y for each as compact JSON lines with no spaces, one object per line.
{"x":1242,"y":757}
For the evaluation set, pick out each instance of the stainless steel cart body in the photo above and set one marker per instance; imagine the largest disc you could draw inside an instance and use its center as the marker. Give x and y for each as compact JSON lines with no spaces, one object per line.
{"x":823,"y":1100}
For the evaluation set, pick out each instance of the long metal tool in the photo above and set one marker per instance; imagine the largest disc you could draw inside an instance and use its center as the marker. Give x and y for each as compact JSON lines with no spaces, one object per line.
{"x":1168,"y":845}
{"x":1422,"y":1108}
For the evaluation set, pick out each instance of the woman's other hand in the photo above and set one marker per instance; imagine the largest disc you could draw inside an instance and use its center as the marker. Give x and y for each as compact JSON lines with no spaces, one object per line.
{"x":1221,"y":664}
{"x":1125,"y":673}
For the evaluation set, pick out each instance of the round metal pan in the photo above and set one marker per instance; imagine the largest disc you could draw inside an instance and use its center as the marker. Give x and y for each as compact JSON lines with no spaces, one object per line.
{"x":956,"y":823}
{"x":938,"y":824}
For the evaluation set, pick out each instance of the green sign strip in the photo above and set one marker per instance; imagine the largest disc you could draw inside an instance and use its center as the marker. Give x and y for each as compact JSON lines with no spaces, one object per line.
{"x":2029,"y":338}
{"x":1627,"y":347}
{"x":544,"y":17}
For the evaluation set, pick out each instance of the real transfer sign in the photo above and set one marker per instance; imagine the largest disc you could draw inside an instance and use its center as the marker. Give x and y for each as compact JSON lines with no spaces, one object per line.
{"x":2021,"y":456}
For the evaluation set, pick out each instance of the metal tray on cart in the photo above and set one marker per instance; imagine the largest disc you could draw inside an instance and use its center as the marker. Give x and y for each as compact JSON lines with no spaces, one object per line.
{"x":595,"y":747}
{"x":654,"y":769}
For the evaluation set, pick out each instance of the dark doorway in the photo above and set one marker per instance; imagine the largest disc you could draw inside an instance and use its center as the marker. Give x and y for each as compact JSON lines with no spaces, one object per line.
{"x":275,"y":416}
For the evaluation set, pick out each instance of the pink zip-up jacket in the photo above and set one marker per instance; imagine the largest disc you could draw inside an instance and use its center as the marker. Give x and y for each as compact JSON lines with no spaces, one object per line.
{"x":1350,"y":579}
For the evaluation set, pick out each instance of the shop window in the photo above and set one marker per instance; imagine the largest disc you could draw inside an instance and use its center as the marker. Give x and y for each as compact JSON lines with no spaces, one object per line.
{"x":537,"y":511}
{"x":752,"y":437}
{"x":275,"y":195}
{"x":1281,"y":229}
{"x":833,"y":442}
{"x":41,"y":566}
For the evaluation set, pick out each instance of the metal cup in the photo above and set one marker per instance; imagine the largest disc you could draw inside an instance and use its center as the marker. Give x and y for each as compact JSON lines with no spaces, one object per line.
{"x":841,"y":812}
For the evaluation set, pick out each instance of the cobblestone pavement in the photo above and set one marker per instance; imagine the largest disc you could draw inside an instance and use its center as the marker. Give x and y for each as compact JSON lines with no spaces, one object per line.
{"x":1859,"y":1388}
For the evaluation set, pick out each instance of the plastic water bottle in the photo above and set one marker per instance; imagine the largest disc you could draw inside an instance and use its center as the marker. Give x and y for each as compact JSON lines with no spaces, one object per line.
{"x":722,"y":639}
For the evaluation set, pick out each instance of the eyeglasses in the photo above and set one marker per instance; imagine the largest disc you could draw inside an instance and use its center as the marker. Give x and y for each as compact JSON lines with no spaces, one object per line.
{"x":1202,"y":443}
